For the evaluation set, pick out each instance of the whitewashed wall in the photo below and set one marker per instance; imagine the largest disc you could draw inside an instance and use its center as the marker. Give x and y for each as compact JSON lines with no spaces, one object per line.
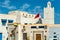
{"x":3,"y":29}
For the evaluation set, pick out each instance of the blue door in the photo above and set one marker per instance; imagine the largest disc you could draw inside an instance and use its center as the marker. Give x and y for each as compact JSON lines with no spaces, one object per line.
{"x":0,"y":36}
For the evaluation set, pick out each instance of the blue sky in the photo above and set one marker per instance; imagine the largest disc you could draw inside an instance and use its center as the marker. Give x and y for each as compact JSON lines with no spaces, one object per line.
{"x":31,"y":6}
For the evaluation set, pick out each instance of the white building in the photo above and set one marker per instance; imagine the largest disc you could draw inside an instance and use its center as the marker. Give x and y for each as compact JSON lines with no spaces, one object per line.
{"x":37,"y":32}
{"x":19,"y":25}
{"x":24,"y":17}
{"x":4,"y":20}
{"x":14,"y":17}
{"x":45,"y":31}
{"x":48,"y":14}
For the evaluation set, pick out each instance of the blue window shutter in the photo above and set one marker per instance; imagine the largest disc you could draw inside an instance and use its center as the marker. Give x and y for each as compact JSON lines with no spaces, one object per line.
{"x":4,"y":21}
{"x":41,"y":26}
{"x":0,"y":36}
{"x":10,"y":21}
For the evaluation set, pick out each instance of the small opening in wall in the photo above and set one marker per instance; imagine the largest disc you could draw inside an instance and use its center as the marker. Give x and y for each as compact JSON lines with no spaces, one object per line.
{"x":6,"y":27}
{"x":54,"y":39}
{"x":33,"y":27}
{"x":24,"y":36}
{"x":55,"y":36}
{"x":23,"y":26}
{"x":25,"y":23}
{"x":23,"y":14}
{"x":32,"y":15}
{"x":41,"y":26}
{"x":54,"y":32}
{"x":45,"y":27}
{"x":26,"y":15}
{"x":29,"y":15}
{"x":7,"y":38}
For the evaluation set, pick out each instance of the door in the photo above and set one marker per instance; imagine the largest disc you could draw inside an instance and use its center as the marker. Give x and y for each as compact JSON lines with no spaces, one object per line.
{"x":38,"y":36}
{"x":24,"y":36}
{"x":0,"y":36}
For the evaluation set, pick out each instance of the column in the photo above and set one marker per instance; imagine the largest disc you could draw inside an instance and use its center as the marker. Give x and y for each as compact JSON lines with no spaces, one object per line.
{"x":20,"y":34}
{"x":31,"y":35}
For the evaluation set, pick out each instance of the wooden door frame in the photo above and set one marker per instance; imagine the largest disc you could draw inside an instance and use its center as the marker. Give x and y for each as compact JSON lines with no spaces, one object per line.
{"x":37,"y":33}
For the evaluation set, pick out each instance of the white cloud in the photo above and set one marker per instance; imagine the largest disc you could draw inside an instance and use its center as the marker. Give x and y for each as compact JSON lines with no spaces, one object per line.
{"x":6,"y":4}
{"x":24,"y":7}
{"x":9,"y":7}
{"x":37,"y":9}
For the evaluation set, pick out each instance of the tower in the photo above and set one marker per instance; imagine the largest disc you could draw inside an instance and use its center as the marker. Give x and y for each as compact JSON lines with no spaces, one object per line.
{"x":48,"y":14}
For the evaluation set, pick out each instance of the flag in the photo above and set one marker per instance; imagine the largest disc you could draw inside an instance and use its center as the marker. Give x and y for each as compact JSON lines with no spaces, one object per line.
{"x":37,"y":16}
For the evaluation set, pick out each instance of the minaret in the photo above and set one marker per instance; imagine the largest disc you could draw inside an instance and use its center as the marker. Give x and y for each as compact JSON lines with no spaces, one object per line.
{"x":49,"y":4}
{"x":48,"y":14}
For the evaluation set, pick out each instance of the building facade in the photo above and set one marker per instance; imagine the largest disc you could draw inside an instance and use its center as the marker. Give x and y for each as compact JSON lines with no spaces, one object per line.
{"x":14,"y":17}
{"x":46,"y":30}
{"x":37,"y":32}
{"x":4,"y":20}
{"x":19,"y":25}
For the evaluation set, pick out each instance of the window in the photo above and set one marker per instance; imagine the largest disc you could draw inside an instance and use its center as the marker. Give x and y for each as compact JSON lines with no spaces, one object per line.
{"x":41,"y":26}
{"x":54,"y":32}
{"x":29,"y":15}
{"x":3,"y":21}
{"x":55,"y":36}
{"x":23,"y":26}
{"x":25,"y":16}
{"x":7,"y":28}
{"x":10,"y":21}
{"x":33,"y":27}
{"x":32,"y":16}
{"x":45,"y":27}
{"x":54,"y":39}
{"x":10,"y":35}
{"x":25,"y":23}
{"x":24,"y":36}
{"x":7,"y":38}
